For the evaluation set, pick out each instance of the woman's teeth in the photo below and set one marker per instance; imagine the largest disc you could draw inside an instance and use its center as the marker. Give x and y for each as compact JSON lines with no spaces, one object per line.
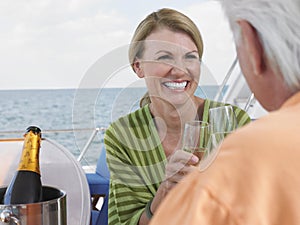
{"x":176,"y":85}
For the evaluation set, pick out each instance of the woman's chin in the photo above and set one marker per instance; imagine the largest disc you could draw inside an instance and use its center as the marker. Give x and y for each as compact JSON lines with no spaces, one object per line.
{"x":177,"y":100}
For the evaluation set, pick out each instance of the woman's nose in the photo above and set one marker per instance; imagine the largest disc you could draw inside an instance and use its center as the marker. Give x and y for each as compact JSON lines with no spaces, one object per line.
{"x":179,"y":68}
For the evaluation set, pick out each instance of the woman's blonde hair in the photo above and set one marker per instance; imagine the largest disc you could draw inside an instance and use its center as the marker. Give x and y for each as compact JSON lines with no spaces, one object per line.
{"x":168,"y":18}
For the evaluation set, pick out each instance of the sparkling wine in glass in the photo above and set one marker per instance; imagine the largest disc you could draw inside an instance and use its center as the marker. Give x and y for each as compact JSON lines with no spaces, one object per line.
{"x":196,"y":137}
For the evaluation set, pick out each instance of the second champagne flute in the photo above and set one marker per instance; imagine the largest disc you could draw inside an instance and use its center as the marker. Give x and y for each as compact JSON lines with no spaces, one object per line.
{"x":223,"y":119}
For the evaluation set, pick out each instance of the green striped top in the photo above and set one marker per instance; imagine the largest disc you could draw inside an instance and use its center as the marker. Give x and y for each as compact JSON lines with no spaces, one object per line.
{"x":136,"y":161}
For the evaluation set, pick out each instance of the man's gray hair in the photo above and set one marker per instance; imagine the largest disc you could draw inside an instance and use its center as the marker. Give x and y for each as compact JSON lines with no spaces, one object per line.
{"x":278,"y":27}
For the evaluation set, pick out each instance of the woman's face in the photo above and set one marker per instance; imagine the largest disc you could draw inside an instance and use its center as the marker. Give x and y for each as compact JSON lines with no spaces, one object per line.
{"x":170,"y":65}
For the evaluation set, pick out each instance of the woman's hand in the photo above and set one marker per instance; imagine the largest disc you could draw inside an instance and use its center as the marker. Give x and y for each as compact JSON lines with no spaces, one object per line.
{"x":179,"y":165}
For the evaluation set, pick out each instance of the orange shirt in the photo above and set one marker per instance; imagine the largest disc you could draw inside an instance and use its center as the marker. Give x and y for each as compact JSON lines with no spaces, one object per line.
{"x":255,"y":178}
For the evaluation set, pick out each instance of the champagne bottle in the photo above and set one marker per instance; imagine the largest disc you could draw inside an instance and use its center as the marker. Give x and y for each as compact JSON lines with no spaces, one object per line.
{"x":26,"y":186}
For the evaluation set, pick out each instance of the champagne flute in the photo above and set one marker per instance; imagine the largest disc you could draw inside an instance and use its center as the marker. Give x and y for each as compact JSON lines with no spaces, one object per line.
{"x":196,"y":137}
{"x":223,"y":119}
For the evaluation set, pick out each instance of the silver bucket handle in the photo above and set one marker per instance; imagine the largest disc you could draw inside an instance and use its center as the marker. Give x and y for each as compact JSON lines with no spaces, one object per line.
{"x":6,"y":216}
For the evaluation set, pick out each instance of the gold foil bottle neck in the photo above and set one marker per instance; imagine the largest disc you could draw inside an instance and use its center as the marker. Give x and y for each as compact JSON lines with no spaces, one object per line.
{"x":30,"y":154}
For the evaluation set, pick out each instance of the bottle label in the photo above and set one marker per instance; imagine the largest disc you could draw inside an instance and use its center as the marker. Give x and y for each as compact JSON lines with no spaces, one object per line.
{"x":30,"y":155}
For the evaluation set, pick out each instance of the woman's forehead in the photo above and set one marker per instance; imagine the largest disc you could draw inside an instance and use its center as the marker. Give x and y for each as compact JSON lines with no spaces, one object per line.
{"x":165,"y":39}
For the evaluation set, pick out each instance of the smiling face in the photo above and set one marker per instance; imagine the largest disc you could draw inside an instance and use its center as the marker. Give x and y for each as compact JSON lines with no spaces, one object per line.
{"x":171,"y":66}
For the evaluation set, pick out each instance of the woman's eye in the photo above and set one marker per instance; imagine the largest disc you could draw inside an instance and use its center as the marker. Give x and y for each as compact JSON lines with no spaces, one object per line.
{"x":164,"y":57}
{"x":191,"y":57}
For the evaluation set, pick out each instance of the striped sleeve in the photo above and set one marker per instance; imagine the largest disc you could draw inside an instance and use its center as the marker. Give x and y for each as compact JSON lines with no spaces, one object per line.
{"x":136,"y":162}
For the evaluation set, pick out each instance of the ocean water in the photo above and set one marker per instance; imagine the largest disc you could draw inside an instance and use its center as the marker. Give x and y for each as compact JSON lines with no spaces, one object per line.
{"x":69,"y":116}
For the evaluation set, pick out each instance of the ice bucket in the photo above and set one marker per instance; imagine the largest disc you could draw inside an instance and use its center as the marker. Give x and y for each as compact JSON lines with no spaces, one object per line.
{"x":51,"y":211}
{"x":59,"y":169}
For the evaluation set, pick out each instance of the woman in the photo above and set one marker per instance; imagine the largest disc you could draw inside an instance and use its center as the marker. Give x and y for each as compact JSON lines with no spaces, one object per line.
{"x":166,"y":50}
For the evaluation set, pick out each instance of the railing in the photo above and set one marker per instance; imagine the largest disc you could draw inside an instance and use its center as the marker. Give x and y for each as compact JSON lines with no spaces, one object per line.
{"x":84,"y":150}
{"x":225,"y":81}
{"x":238,"y":92}
{"x":89,"y":141}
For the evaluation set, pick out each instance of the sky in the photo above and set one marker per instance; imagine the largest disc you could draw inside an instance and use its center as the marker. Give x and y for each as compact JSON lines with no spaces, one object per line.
{"x":51,"y":44}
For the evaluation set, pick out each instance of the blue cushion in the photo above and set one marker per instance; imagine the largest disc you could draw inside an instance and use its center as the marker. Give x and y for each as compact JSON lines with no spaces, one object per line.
{"x":102,"y":168}
{"x":99,"y":185}
{"x":95,"y":179}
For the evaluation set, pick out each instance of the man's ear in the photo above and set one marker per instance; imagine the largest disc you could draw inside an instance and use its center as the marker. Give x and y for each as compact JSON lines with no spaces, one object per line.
{"x":253,"y":46}
{"x":138,"y":68}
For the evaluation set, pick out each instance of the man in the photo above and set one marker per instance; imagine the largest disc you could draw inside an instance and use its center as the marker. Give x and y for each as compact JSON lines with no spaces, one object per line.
{"x":255,"y":177}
